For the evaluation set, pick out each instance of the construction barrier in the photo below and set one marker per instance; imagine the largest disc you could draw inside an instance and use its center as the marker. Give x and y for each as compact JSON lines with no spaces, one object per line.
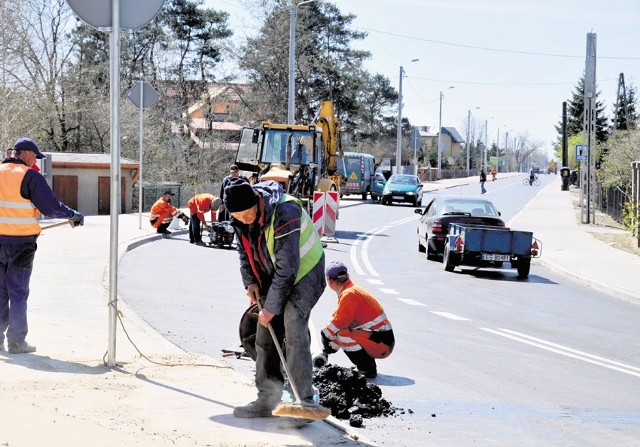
{"x":330,"y":213}
{"x":325,"y":212}
{"x":318,"y":212}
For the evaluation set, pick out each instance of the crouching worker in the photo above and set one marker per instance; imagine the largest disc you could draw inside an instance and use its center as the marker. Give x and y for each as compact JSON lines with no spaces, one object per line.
{"x":162,"y":213}
{"x":358,"y":325}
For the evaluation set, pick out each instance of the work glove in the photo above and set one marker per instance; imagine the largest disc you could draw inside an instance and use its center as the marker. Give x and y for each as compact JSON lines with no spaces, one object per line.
{"x":184,"y":218}
{"x":77,"y":219}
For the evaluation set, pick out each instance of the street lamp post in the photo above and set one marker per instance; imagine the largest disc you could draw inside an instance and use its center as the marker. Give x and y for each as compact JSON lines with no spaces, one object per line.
{"x":467,"y":142}
{"x":498,"y":150}
{"x":293,"y":16}
{"x":399,"y":126}
{"x":440,"y":134}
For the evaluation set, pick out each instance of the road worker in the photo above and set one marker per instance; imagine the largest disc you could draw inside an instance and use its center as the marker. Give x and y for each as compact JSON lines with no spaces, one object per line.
{"x":359,"y":324}
{"x":162,"y":213}
{"x":198,"y":206}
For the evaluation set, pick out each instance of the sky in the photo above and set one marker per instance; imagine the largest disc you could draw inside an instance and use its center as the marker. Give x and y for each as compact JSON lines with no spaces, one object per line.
{"x":511,"y":63}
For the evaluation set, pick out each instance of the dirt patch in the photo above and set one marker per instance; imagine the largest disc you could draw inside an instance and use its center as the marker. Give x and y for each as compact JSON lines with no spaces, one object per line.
{"x":606,"y":229}
{"x":348,"y":395}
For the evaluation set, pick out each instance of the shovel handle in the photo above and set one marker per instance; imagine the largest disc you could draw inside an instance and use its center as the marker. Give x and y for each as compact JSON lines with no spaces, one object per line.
{"x":294,"y":388}
{"x":58,"y":224}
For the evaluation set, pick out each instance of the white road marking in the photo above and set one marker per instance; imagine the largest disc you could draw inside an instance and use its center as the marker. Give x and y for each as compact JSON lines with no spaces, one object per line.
{"x":389,"y":291}
{"x":450,"y":316}
{"x":566,"y":351}
{"x":364,"y":254}
{"x":411,"y":302}
{"x":375,"y":281}
{"x":353,"y":255}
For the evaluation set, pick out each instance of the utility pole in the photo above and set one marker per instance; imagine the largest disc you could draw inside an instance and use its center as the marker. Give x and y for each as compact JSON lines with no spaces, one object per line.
{"x":440,"y":135}
{"x":588,"y":166}
{"x":293,"y":17}
{"x":399,"y":126}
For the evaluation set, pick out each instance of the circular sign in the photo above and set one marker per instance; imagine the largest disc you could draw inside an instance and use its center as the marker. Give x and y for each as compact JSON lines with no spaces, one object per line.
{"x":134,"y":14}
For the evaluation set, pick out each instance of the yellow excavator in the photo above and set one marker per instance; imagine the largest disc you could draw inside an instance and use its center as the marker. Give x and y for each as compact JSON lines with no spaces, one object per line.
{"x":303,"y":158}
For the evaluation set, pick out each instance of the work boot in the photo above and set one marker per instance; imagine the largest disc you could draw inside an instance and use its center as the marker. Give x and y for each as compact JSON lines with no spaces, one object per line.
{"x":255,"y":409}
{"x":20,"y":347}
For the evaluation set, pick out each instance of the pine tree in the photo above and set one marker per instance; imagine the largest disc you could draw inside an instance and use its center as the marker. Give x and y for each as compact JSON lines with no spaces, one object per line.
{"x":575,"y":115}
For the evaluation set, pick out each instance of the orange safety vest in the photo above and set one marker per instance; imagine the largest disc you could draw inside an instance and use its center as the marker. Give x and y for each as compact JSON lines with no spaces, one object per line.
{"x":18,"y":216}
{"x":163,"y":212}
{"x":357,"y":315}
{"x":200,"y":204}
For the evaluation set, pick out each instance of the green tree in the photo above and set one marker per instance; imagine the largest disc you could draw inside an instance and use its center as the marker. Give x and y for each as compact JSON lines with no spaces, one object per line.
{"x":575,"y":115}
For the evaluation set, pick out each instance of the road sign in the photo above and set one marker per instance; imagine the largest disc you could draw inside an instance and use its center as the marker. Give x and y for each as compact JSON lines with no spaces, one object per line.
{"x":134,"y":14}
{"x":581,"y":151}
{"x":148,"y":97}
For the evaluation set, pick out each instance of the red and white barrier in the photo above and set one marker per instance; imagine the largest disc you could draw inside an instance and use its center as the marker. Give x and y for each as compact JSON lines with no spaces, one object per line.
{"x":325,"y":212}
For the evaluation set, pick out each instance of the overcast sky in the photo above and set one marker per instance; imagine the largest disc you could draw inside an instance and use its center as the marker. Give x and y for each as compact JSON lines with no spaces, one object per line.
{"x":516,"y":60}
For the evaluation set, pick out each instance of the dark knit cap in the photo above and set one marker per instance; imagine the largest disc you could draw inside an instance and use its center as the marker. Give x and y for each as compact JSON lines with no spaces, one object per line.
{"x":239,"y":196}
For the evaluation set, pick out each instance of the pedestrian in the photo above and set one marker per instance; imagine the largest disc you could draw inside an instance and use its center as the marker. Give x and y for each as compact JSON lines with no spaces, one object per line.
{"x":162,"y":213}
{"x":282,"y":266}
{"x":483,"y":178}
{"x":358,"y":326}
{"x":198,"y":206}
{"x":234,"y":172}
{"x":24,"y":194}
{"x":494,"y":173}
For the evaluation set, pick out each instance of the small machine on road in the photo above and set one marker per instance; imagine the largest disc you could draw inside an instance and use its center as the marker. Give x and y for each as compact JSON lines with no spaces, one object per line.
{"x":485,"y":246}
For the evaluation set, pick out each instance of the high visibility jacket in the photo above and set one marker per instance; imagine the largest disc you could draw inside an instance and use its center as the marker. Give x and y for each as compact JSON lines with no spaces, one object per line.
{"x":357,"y":316}
{"x":311,"y":250}
{"x":200,"y":204}
{"x":17,"y":214}
{"x":162,"y":212}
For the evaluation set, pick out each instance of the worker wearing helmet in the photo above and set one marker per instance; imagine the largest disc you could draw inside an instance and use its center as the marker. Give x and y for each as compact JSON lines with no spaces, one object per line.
{"x":359,"y":324}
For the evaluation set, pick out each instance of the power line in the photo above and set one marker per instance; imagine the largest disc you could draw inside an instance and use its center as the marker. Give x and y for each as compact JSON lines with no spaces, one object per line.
{"x":497,"y":50}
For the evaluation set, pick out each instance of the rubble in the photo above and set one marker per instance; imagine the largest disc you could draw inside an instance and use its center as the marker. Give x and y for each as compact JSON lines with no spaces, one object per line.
{"x":348,"y":395}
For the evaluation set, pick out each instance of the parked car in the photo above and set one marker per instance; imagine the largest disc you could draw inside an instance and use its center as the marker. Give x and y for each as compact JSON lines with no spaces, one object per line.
{"x":402,"y":188}
{"x":378,"y":186}
{"x":433,"y":225}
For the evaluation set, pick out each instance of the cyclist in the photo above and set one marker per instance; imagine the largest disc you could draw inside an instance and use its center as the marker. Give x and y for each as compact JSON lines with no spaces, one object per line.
{"x":532,"y":176}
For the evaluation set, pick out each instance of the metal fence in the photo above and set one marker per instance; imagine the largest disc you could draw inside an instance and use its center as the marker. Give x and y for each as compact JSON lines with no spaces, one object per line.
{"x":611,"y":201}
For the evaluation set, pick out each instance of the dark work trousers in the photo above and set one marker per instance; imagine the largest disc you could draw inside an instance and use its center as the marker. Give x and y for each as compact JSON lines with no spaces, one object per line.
{"x":195,"y":229}
{"x":16,"y":265}
{"x":269,"y":379}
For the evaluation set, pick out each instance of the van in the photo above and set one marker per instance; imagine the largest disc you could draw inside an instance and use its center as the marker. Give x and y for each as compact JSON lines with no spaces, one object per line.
{"x":358,"y":170}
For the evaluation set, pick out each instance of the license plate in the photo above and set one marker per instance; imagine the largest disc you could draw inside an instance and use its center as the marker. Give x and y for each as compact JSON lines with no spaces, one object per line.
{"x":495,"y":257}
{"x":398,"y":197}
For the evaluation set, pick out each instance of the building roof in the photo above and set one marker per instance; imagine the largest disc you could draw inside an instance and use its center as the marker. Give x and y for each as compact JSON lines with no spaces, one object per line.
{"x":453,"y":133}
{"x":96,"y":160}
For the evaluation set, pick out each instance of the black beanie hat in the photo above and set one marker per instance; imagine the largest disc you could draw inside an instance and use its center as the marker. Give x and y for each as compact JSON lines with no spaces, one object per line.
{"x":239,"y":196}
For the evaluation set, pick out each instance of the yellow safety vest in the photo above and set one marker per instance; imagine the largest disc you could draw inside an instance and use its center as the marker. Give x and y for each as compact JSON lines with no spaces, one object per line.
{"x":17,"y":214}
{"x":311,"y":250}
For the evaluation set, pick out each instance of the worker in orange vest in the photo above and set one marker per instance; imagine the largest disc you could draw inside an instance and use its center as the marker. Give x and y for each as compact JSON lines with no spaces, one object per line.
{"x":198,"y":206}
{"x":162,"y":213}
{"x":358,"y":326}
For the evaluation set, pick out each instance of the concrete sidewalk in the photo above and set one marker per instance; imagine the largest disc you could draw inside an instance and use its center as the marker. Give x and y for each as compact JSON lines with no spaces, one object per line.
{"x":63,"y":394}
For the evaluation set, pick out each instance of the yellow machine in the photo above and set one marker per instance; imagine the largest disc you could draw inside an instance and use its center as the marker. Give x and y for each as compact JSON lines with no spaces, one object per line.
{"x":303,"y":158}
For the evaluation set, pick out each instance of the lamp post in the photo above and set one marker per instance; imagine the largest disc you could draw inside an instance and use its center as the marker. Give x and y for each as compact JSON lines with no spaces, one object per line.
{"x":440,"y":133}
{"x":467,"y":142}
{"x":293,"y":16}
{"x":399,"y":126}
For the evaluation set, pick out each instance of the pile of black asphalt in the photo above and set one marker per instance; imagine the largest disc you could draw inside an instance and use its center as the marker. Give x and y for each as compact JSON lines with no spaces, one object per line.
{"x":348,"y":395}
